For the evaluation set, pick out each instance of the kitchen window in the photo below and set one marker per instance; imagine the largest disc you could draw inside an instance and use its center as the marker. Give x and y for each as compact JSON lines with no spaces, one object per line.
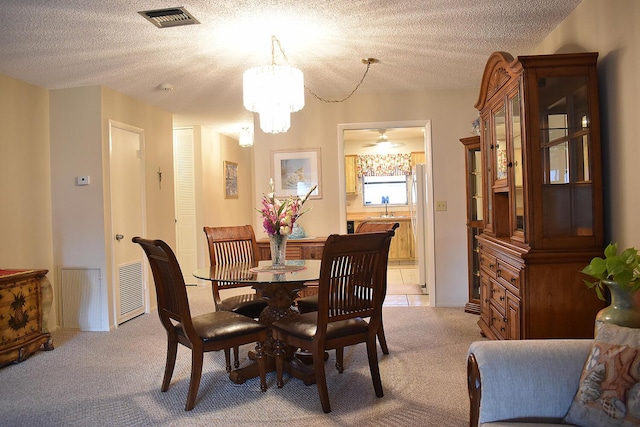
{"x":381,"y":190}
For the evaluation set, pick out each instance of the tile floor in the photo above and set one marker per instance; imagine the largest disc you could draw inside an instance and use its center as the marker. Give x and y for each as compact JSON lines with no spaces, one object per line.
{"x":403,"y":289}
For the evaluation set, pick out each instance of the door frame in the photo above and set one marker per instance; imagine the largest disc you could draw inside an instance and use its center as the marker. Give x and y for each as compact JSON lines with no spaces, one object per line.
{"x":145,"y":276}
{"x":428,"y":152}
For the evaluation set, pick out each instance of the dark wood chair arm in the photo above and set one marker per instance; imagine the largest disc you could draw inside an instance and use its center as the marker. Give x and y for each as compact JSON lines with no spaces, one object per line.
{"x":474,"y":387}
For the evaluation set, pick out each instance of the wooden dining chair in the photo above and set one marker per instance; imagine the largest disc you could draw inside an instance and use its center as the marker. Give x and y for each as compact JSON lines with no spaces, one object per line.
{"x":351,"y":289}
{"x":214,"y":331}
{"x":310,"y":303}
{"x":230,"y":245}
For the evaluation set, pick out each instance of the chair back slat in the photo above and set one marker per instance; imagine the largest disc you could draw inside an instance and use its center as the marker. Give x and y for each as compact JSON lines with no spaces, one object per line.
{"x":352,"y":276}
{"x":229,"y":245}
{"x":227,"y":252}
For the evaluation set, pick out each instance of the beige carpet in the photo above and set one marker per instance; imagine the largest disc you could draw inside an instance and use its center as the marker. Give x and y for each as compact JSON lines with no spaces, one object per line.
{"x":113,"y":379}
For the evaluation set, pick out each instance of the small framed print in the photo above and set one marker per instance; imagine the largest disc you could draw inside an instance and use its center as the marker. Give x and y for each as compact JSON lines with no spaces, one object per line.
{"x":295,"y":172}
{"x":230,"y":180}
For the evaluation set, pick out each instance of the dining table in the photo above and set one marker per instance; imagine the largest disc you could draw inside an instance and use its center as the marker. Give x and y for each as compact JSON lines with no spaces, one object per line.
{"x":279,"y":287}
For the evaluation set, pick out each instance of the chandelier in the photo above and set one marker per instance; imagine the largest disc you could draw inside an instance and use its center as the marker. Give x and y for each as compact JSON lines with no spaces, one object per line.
{"x":275,"y":91}
{"x":246,"y":137}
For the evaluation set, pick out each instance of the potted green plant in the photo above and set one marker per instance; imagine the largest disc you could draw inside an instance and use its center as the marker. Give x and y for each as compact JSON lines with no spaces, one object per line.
{"x":620,"y":274}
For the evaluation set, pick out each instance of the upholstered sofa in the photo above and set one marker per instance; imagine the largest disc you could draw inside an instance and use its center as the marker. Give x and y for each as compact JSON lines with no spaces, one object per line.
{"x":524,"y":383}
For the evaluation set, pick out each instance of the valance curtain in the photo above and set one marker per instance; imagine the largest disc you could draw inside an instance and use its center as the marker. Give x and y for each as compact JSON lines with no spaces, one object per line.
{"x":384,"y":165}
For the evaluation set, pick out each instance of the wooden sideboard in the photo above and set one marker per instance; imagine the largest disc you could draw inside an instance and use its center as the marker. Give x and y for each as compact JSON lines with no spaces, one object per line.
{"x":307,"y":248}
{"x":25,"y":301}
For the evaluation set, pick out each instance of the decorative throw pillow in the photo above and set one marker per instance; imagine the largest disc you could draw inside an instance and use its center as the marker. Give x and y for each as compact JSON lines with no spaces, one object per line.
{"x":609,"y":390}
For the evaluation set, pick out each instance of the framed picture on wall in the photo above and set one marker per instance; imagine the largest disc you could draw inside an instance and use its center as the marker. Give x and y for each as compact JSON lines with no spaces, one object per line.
{"x":230,"y":180}
{"x":295,"y":172}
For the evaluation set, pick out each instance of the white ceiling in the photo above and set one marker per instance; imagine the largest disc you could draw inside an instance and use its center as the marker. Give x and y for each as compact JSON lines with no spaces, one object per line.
{"x":421,"y":45}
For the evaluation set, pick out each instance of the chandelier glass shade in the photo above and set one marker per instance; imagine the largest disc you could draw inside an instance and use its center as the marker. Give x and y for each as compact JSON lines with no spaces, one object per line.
{"x":246,"y":137}
{"x":274,"y":92}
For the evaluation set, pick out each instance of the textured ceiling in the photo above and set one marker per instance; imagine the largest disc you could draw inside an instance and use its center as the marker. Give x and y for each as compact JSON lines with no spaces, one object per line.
{"x":421,"y":45}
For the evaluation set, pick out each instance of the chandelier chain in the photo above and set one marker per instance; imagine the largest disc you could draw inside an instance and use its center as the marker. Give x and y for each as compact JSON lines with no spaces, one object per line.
{"x":346,"y":97}
{"x":368,"y":61}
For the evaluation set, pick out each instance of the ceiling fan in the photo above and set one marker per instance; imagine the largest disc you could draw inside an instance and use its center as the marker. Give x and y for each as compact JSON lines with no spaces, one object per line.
{"x":383,"y":141}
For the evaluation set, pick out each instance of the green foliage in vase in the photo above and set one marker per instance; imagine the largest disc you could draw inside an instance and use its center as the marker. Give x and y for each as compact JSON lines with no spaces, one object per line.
{"x":623,"y":269}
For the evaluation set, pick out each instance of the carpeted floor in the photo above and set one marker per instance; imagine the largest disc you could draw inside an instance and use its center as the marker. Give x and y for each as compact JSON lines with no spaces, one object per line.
{"x":113,"y":379}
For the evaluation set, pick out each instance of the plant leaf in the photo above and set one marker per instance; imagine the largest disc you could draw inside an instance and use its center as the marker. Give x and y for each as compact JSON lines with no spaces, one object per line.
{"x":611,"y":250}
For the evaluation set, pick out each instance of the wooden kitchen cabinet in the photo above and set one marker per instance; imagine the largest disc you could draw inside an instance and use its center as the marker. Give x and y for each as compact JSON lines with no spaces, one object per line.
{"x":351,"y":174}
{"x":402,"y":246}
{"x":417,"y":157}
{"x":542,"y":194}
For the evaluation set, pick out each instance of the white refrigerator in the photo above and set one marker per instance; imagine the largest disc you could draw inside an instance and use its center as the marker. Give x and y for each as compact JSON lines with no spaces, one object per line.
{"x":418,"y":207}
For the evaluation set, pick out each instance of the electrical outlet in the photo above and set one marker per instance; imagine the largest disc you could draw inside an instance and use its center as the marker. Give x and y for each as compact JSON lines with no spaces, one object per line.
{"x":441,"y":205}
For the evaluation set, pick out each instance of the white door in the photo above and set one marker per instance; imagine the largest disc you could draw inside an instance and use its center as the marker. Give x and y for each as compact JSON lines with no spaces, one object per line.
{"x":126,"y":174}
{"x":186,"y":230}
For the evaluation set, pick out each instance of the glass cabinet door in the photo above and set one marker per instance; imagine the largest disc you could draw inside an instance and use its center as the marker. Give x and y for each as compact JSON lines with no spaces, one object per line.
{"x":475,"y":184}
{"x":517,"y":165}
{"x":500,"y":146}
{"x":475,"y":197}
{"x":565,"y":148}
{"x":488,"y":167}
{"x":475,"y":216}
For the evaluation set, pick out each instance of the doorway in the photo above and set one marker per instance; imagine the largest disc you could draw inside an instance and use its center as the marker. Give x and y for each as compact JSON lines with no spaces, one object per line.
{"x":426,"y":259}
{"x":126,"y":178}
{"x":185,"y":202}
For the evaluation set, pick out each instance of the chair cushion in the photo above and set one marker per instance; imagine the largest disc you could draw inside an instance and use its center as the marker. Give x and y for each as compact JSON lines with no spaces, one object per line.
{"x":609,"y":391}
{"x":222,"y":325}
{"x":304,"y":326}
{"x":308,"y":304}
{"x":250,"y":305}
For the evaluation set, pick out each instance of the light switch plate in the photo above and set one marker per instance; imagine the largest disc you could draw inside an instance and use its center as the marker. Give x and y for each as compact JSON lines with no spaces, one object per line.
{"x":441,"y":205}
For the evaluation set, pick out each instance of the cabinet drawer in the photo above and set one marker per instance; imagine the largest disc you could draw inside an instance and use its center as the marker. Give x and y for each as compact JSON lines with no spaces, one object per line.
{"x":498,"y":295}
{"x":485,"y":297}
{"x":312,"y":252}
{"x":497,"y":322}
{"x":509,"y":274}
{"x":293,"y":252}
{"x":488,"y":263}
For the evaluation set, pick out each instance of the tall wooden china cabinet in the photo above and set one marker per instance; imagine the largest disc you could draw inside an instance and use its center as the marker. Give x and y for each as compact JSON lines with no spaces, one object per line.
{"x":540,"y":145}
{"x":473,"y":169}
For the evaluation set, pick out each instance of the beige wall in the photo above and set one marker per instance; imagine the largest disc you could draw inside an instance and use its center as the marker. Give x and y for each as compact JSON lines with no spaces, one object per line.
{"x":26,"y":240}
{"x":611,"y":28}
{"x":80,"y":146}
{"x":450,"y":113}
{"x":213,"y":210}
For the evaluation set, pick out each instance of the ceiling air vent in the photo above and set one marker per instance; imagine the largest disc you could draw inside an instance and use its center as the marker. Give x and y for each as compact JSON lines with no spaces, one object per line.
{"x":172,"y":17}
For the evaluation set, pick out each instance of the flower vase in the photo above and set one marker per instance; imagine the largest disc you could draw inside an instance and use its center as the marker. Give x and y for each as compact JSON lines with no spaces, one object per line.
{"x":624,"y":309}
{"x":278,"y":244}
